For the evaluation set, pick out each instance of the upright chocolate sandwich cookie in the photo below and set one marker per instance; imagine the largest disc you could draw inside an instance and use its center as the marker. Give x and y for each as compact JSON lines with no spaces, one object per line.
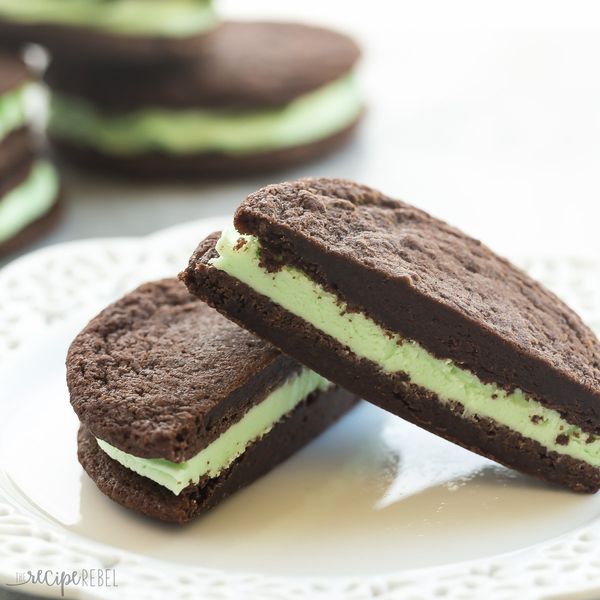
{"x":416,"y":317}
{"x":125,"y":31}
{"x":29,"y":187}
{"x":260,"y":96}
{"x":180,"y":408}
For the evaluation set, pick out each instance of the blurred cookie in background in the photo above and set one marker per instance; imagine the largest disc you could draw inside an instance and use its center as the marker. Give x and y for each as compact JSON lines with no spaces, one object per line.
{"x":126,"y":31}
{"x":260,"y":96}
{"x":15,"y":141}
{"x":29,"y":184}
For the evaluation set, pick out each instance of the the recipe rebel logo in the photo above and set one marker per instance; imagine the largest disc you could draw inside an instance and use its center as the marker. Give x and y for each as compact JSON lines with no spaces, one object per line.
{"x":83,"y":578}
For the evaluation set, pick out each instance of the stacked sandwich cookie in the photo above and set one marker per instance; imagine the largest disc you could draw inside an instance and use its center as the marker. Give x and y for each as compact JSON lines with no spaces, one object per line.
{"x":179,"y":407}
{"x":260,"y":96}
{"x":134,"y":31}
{"x":162,"y":89}
{"x":29,"y":185}
{"x":416,"y":317}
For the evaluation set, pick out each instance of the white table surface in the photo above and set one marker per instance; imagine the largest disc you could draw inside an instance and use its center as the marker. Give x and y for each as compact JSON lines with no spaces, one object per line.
{"x":485,"y":114}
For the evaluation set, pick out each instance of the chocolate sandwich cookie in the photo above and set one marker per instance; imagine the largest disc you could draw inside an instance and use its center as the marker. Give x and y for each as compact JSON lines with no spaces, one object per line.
{"x":179,"y":407}
{"x":260,"y":96}
{"x":30,"y":204}
{"x":121,"y":31}
{"x":15,"y":143}
{"x":416,"y":317}
{"x":29,"y":187}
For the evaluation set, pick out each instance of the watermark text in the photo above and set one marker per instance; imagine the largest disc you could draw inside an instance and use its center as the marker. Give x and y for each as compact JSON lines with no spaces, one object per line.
{"x":87,"y":578}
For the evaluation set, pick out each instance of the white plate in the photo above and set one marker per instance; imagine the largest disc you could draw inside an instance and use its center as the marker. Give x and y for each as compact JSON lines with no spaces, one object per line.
{"x":375,"y":508}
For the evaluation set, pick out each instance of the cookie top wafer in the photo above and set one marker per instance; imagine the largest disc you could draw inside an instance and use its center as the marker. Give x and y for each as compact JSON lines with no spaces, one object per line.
{"x":140,"y":381}
{"x":242,"y":65}
{"x":427,"y":281}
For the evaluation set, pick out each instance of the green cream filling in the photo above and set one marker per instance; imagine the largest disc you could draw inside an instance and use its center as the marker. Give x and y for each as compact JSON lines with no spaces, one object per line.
{"x":218,"y":455}
{"x":12,"y":111}
{"x":176,"y":18}
{"x":29,"y":201}
{"x":307,"y":119}
{"x":298,"y":294}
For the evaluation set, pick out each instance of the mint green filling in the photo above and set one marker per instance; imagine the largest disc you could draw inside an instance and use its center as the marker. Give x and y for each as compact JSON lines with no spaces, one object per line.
{"x":217,"y":456}
{"x":310,"y":118}
{"x":12,"y":111}
{"x":298,"y":294}
{"x":29,"y":201}
{"x":177,"y":18}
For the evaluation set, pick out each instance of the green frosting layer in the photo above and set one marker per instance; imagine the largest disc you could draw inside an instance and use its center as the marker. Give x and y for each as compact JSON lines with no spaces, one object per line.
{"x":12,"y":111}
{"x":29,"y":201}
{"x":298,"y":294}
{"x":172,"y":18}
{"x":310,"y":118}
{"x":217,"y":456}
